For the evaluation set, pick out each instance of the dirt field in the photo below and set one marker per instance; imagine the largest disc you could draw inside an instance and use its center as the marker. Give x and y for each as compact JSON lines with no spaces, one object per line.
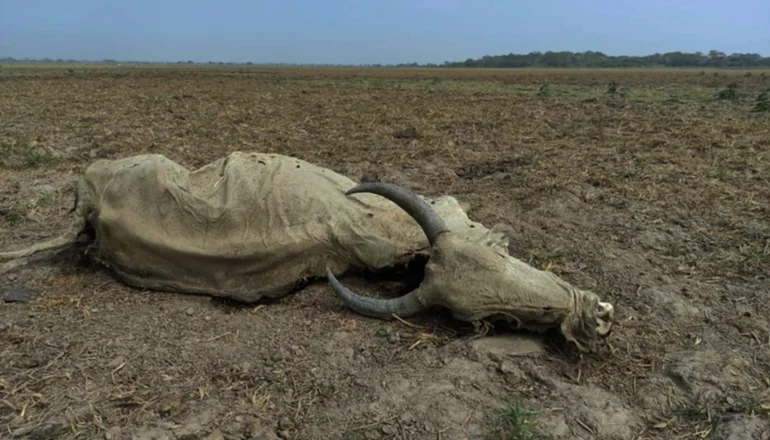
{"x":657,"y":197}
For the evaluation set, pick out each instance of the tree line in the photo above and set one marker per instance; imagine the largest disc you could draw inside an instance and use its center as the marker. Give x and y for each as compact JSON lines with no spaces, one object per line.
{"x":714,"y":59}
{"x":565,"y":59}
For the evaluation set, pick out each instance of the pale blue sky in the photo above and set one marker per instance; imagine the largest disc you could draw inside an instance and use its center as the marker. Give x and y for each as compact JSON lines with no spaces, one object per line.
{"x":373,"y":31}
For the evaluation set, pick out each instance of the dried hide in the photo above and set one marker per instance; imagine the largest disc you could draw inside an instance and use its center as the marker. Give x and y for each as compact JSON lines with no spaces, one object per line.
{"x":245,"y":226}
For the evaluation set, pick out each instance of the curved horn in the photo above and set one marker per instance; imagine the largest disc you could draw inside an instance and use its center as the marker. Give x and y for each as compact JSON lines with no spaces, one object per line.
{"x":430,"y":222}
{"x":404,"y":306}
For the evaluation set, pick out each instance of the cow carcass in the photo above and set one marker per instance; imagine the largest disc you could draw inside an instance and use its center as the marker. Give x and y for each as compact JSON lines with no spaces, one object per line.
{"x":254,"y":225}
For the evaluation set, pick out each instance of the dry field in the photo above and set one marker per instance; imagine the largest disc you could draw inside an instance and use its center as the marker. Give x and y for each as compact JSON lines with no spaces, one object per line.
{"x":657,"y":197}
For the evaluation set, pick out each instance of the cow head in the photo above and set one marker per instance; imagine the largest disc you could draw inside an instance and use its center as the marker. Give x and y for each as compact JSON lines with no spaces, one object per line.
{"x":477,"y":280}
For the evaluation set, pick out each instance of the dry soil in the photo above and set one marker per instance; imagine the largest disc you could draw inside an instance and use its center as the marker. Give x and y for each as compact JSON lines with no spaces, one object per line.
{"x":656,"y":196}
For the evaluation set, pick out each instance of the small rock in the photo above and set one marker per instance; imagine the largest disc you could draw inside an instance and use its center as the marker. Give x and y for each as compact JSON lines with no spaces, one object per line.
{"x":285,"y":424}
{"x":286,"y":435}
{"x":373,"y":435}
{"x":190,"y":311}
{"x":388,"y":429}
{"x":498,"y":348}
{"x":188,"y":432}
{"x":672,"y":303}
{"x":507,"y":367}
{"x":215,"y":435}
{"x":554,"y":425}
{"x":112,"y":433}
{"x":18,"y":295}
{"x":48,"y":430}
{"x":743,"y":427}
{"x":152,"y":434}
{"x":495,"y":357}
{"x":254,"y":429}
{"x":406,"y":133}
{"x":12,"y":277}
{"x":116,"y":362}
{"x":263,"y":434}
{"x":603,"y":412}
{"x":28,"y":362}
{"x":511,"y":371}
{"x":371,"y":176}
{"x":170,"y":405}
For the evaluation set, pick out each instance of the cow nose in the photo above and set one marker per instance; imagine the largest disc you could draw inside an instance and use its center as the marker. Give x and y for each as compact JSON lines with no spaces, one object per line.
{"x":606,"y":311}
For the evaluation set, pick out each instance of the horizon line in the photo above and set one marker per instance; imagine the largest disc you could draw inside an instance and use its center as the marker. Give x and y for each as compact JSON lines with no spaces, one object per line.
{"x":49,"y":60}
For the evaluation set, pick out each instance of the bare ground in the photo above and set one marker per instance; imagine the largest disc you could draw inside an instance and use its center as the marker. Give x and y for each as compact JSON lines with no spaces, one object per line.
{"x":657,"y":197}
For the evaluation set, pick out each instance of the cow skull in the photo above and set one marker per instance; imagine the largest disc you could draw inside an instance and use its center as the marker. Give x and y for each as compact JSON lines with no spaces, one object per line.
{"x":477,"y":279}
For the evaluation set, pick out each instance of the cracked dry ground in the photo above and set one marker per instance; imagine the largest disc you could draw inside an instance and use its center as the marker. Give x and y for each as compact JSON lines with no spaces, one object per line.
{"x":657,"y":198}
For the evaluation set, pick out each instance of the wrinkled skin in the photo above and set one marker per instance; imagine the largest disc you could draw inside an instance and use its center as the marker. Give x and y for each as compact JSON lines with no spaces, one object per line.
{"x":244,"y":227}
{"x":478,"y":280}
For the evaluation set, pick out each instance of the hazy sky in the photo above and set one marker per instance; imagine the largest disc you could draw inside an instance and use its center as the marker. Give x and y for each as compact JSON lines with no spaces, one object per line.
{"x":373,"y":31}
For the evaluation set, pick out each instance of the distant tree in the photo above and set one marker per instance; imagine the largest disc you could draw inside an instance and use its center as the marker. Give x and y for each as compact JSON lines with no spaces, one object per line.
{"x":563,"y":59}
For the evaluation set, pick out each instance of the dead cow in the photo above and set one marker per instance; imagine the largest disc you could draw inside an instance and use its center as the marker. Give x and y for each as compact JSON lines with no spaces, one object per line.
{"x":254,"y":225}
